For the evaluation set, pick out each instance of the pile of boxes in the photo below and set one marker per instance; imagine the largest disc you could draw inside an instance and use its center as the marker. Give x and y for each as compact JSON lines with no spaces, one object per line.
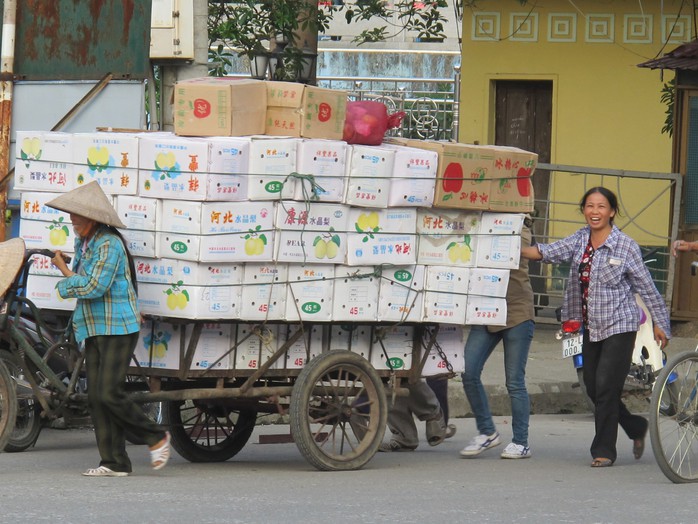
{"x":288,"y":228}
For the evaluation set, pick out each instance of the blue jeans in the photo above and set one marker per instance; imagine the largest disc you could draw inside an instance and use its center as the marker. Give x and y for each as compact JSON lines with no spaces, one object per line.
{"x":478,"y":348}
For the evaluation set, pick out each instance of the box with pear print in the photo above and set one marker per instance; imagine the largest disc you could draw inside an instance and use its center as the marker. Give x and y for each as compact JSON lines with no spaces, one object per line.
{"x":111,"y":159}
{"x":447,"y":237}
{"x":382,"y":236}
{"x":44,"y":161}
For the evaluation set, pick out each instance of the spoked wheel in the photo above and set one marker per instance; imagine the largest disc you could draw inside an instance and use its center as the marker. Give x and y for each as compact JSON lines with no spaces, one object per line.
{"x":8,"y":405}
{"x":28,"y":419}
{"x":674,"y":418}
{"x":338,"y":411}
{"x":208,"y":430}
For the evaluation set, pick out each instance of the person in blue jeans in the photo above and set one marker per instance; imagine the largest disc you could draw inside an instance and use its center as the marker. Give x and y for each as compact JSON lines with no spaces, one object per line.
{"x":516,"y":337}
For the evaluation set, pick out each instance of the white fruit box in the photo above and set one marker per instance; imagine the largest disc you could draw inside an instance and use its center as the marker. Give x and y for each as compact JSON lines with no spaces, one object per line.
{"x":324,"y":189}
{"x":137,"y":212}
{"x":169,"y":271}
{"x":326,"y":161}
{"x":33,"y":207}
{"x":111,"y":159}
{"x":140,"y":243}
{"x":414,"y":176}
{"x":229,"y":165}
{"x":487,"y":311}
{"x":355,"y":296}
{"x":272,"y":160}
{"x":369,"y":171}
{"x":179,"y":216}
{"x":498,"y":251}
{"x":41,"y":289}
{"x":384,"y":236}
{"x":216,"y":248}
{"x":501,"y":223}
{"x":264,"y":290}
{"x":451,"y":341}
{"x":255,"y":218}
{"x":44,"y":161}
{"x":307,"y":347}
{"x":38,"y":234}
{"x":193,"y":302}
{"x":178,"y":245}
{"x":310,"y":292}
{"x":351,"y":337}
{"x":392,"y":347}
{"x":401,"y":296}
{"x":159,"y":344}
{"x":488,"y":282}
{"x":42,"y":265}
{"x":312,"y":232}
{"x":213,"y":349}
{"x":445,"y":295}
{"x":447,"y":237}
{"x":173,"y":168}
{"x":255,"y":344}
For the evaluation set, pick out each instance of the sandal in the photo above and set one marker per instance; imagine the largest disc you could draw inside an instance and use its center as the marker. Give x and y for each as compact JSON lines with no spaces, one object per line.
{"x":601,"y":463}
{"x":160,"y":455}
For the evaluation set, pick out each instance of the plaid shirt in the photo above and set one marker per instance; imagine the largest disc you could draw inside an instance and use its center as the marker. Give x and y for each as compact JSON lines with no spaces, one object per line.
{"x":107,"y":303}
{"x":617,"y":273}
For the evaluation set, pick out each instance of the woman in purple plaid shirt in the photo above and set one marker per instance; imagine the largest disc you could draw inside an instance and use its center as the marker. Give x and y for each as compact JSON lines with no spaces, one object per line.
{"x":606,"y":271}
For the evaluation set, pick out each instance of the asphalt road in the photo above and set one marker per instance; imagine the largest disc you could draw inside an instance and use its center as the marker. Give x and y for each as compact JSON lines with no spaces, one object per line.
{"x":273,"y":483}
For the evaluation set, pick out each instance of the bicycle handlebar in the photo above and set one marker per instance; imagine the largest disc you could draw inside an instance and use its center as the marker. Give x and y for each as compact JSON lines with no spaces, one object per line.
{"x":46,"y":253}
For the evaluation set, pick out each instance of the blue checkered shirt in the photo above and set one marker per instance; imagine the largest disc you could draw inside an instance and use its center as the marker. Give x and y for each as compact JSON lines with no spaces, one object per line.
{"x":617,"y":273}
{"x":107,"y":303}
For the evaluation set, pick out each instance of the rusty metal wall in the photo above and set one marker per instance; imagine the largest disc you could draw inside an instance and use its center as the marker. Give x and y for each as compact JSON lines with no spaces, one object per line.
{"x":82,"y":39}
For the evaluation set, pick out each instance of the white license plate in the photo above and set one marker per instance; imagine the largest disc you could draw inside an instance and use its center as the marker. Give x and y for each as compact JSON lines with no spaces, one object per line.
{"x":571,"y":346}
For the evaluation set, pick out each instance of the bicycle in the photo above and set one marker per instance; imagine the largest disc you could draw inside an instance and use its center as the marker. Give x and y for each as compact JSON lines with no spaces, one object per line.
{"x":674,"y":416}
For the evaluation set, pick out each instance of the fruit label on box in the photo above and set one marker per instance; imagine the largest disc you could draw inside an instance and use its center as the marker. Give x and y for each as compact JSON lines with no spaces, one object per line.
{"x":52,"y":235}
{"x":33,"y":207}
{"x":44,"y":161}
{"x":447,"y":238}
{"x":382,"y":236}
{"x":109,"y":158}
{"x":159,"y":345}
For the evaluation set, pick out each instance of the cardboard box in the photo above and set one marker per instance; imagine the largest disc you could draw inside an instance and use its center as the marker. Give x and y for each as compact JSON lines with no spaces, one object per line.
{"x":42,"y":265}
{"x":487,"y":311}
{"x":172,"y":167}
{"x":179,"y":216}
{"x":213,"y":349}
{"x":229,"y":168}
{"x":306,"y":348}
{"x":300,"y":110}
{"x":141,"y":243}
{"x":488,"y":282}
{"x":137,"y":212}
{"x":311,"y":232}
{"x":414,"y":177}
{"x":255,"y":344}
{"x":356,"y":292}
{"x":38,"y":234}
{"x":369,"y":174}
{"x":44,"y":161}
{"x":264,"y":290}
{"x":272,"y":160}
{"x":159,"y":344}
{"x":513,"y":162}
{"x":451,"y":341}
{"x":501,"y":223}
{"x":382,"y":236}
{"x":351,"y":337}
{"x":499,"y":251}
{"x":109,"y":158}
{"x":41,"y":290}
{"x":447,"y":237}
{"x":219,"y":106}
{"x":445,"y":294}
{"x":310,"y":292}
{"x":178,"y":245}
{"x":326,"y":161}
{"x":401,"y":297}
{"x":512,"y":194}
{"x":33,"y":207}
{"x":391,"y":347}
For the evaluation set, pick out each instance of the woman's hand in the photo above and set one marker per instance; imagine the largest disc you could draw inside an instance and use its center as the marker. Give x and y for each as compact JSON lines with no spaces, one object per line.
{"x":59,"y":261}
{"x":531,"y":253}
{"x":682,"y":245}
{"x":660,"y":337}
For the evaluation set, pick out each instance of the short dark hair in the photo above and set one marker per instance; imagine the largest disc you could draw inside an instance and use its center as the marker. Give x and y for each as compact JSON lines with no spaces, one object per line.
{"x":610,"y":196}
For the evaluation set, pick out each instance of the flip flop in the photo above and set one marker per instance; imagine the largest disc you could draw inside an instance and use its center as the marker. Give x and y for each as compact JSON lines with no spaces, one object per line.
{"x":160,"y":455}
{"x":601,"y":463}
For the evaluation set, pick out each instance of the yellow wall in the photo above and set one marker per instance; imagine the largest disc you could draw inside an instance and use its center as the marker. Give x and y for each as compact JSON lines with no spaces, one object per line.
{"x":606,"y":110}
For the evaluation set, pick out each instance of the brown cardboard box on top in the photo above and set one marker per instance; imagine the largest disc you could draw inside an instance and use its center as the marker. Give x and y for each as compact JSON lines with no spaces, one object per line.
{"x":219,"y":107}
{"x":299,"y":110}
{"x":510,"y":162}
{"x":463,"y":180}
{"x":512,"y":189}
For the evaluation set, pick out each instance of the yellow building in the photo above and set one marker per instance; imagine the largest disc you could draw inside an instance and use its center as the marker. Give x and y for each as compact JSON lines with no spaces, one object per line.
{"x":560,"y":78}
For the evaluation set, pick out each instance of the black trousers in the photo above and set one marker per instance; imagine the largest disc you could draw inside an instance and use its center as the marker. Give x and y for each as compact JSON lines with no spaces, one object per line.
{"x":113,"y":412}
{"x":606,"y":364}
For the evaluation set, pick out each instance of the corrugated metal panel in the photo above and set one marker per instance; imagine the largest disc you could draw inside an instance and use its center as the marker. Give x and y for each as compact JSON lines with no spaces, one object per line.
{"x":82,"y":39}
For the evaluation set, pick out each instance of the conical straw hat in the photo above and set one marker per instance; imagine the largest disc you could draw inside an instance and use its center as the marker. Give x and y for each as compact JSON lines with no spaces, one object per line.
{"x":11,"y":259}
{"x":88,"y":201}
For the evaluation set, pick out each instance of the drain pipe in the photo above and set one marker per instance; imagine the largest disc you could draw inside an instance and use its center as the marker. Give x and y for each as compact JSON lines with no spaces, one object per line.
{"x":9,"y":17}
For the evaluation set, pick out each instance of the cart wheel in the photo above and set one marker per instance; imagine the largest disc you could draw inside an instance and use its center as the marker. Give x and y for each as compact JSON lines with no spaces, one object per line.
{"x":674,"y":418}
{"x":28,"y":420}
{"x":208,"y":430}
{"x":8,"y":405}
{"x":338,"y":411}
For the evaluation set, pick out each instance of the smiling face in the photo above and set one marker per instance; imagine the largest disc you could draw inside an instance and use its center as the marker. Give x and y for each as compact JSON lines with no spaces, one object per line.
{"x":598,"y":212}
{"x":83,"y":227}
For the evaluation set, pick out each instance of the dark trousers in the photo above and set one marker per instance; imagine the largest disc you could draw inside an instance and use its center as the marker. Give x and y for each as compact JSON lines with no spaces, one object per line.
{"x":113,"y":413}
{"x":440,"y":387}
{"x":606,"y":364}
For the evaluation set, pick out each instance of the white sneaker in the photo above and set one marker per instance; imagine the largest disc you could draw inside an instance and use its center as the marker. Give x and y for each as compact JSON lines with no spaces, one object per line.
{"x":480,"y":444}
{"x":516,"y":451}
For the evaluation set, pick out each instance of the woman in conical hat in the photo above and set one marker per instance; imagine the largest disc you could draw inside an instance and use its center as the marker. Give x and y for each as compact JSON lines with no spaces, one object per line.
{"x":106,"y":318}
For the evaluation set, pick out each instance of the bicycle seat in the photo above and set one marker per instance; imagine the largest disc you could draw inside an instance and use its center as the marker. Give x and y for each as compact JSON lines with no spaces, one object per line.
{"x":11,"y":260}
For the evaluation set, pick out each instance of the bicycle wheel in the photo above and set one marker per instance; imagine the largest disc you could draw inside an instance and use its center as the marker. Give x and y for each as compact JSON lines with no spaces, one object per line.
{"x":8,"y":405}
{"x":674,"y":418}
{"x":28,"y":420}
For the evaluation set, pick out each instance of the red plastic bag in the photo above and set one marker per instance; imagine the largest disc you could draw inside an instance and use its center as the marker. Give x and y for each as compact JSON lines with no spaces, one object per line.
{"x":367,"y":121}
